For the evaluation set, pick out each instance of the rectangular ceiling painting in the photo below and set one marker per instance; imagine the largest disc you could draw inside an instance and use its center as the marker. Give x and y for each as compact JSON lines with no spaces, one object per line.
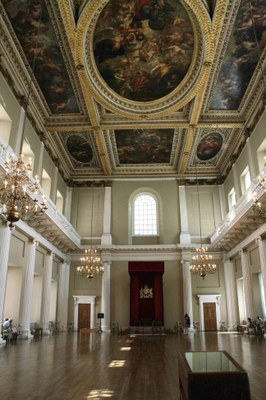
{"x":144,"y":146}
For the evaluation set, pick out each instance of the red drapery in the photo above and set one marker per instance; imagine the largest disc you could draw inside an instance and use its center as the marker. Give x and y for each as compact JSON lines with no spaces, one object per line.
{"x":146,"y":309}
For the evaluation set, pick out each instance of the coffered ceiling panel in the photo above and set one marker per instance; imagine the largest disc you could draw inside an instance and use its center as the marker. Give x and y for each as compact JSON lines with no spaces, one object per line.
{"x":138,"y":88}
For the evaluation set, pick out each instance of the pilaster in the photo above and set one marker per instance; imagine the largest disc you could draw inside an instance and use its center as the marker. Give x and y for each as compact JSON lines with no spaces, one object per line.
{"x":106,"y":236}
{"x":231,"y":294}
{"x":187,"y":289}
{"x":5,"y":235}
{"x":262,"y":254}
{"x":106,"y":297}
{"x":46,"y":293}
{"x":247,"y":282}
{"x":185,"y":237}
{"x":27,"y":288}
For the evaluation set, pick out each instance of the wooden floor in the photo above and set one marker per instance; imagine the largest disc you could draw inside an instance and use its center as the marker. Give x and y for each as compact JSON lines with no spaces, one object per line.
{"x":109,"y":366}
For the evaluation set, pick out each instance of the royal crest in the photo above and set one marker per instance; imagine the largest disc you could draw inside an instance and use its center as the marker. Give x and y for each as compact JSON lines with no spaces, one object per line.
{"x":146,"y":293}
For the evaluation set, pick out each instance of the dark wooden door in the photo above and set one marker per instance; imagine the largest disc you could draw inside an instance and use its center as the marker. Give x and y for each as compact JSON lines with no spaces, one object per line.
{"x":209,"y":310}
{"x":83,"y":316}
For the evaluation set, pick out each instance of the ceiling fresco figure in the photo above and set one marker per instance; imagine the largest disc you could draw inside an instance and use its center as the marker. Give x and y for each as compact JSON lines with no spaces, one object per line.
{"x":50,"y":70}
{"x":209,"y":146}
{"x":142,"y":146}
{"x":79,"y":149}
{"x":143,"y":49}
{"x":241,"y":56}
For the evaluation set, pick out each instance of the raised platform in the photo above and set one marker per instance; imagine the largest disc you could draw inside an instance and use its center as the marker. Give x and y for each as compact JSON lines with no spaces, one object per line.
{"x":147,"y":330}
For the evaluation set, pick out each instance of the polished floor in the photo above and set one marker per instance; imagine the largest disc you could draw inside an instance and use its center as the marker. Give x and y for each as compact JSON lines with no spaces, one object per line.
{"x":109,"y":366}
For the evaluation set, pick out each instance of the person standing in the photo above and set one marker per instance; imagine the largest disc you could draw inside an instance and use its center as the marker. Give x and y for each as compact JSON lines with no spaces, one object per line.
{"x":186,"y":323}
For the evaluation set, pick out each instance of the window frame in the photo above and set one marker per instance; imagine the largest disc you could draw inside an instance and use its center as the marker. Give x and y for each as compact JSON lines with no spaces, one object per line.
{"x":151,"y":195}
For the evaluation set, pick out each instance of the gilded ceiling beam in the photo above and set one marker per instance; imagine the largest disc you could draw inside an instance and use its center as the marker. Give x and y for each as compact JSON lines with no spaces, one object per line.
{"x":202,"y":85}
{"x":100,"y":143}
{"x":186,"y":150}
{"x":68,"y":21}
{"x":141,"y":125}
{"x":76,"y":37}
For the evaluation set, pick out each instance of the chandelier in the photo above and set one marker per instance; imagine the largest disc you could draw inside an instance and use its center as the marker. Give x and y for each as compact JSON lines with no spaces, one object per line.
{"x":91,"y":263}
{"x":202,"y":262}
{"x":20,"y":196}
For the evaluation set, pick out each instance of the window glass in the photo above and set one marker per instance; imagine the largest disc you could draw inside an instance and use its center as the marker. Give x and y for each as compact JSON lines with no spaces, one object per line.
{"x":231,"y":198}
{"x":5,"y":125}
{"x":245,"y":180}
{"x":145,"y":215}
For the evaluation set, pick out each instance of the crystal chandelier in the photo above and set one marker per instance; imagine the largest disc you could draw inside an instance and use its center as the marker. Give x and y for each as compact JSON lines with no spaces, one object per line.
{"x":91,"y":263}
{"x":20,"y":196}
{"x":19,"y":192}
{"x":202,"y":262}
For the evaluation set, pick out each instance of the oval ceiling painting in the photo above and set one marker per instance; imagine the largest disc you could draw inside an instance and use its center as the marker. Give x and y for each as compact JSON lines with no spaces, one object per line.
{"x":143,"y":48}
{"x":209,"y":146}
{"x":79,"y":149}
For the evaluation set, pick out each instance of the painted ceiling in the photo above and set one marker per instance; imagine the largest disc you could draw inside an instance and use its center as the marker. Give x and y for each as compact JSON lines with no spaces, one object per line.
{"x":142,"y":88}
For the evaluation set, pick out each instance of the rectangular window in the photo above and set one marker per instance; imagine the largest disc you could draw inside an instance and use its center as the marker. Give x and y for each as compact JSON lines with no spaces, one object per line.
{"x":231,"y":198}
{"x":245,"y":180}
{"x":145,"y":216}
{"x":46,"y":183}
{"x":5,"y":125}
{"x":59,"y":201}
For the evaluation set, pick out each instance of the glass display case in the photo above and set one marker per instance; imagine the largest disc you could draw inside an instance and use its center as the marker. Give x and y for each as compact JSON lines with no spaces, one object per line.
{"x":211,"y":375}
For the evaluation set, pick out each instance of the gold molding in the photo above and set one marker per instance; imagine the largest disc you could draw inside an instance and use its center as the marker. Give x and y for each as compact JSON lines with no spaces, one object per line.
{"x":158,"y":108}
{"x":151,"y":125}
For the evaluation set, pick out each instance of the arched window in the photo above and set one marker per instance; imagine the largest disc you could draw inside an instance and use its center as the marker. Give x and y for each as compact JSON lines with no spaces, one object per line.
{"x":145,"y":215}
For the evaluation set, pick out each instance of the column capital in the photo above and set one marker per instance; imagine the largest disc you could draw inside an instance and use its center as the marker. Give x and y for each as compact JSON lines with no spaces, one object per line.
{"x":33,"y":241}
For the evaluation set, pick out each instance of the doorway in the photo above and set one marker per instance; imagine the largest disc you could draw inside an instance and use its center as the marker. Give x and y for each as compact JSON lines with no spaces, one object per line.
{"x":86,"y":311}
{"x":84,"y":316}
{"x":209,"y":311}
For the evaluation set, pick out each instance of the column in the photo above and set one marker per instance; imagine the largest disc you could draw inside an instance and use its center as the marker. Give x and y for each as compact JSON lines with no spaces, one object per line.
{"x":54,"y":185}
{"x":252,"y":161}
{"x":62,"y":295}
{"x":19,"y":132}
{"x":66,"y":295}
{"x":222,"y":201}
{"x":187,"y":290}
{"x":5,"y":235}
{"x":38,"y":162}
{"x":106,"y":236}
{"x":262,"y":253}
{"x":105,"y":304}
{"x":231,"y":294}
{"x":46,"y":293}
{"x":247,"y":282}
{"x":27,"y":288}
{"x":184,"y":235}
{"x":67,"y":203}
{"x":236,"y":183}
